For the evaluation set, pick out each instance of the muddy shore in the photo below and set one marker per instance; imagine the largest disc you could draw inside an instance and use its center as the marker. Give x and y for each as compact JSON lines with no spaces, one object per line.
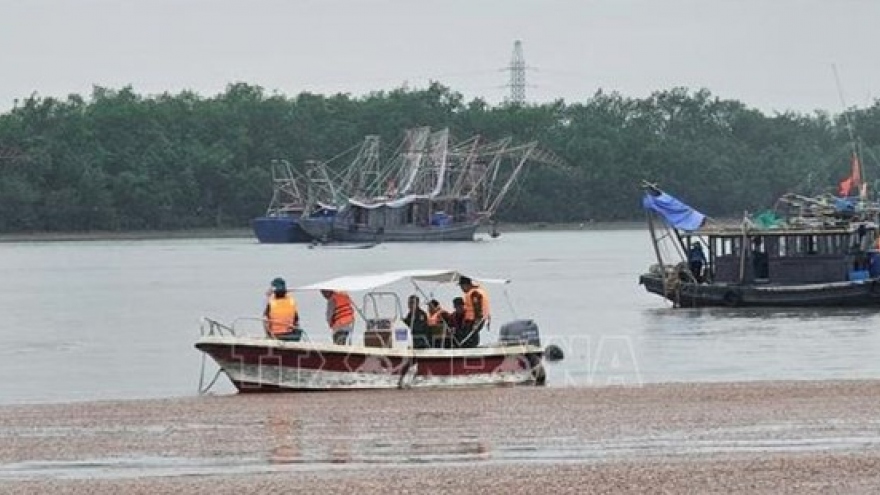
{"x":764,"y":437}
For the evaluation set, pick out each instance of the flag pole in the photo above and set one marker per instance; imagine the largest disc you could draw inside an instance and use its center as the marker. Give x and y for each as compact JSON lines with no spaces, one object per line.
{"x":863,"y":184}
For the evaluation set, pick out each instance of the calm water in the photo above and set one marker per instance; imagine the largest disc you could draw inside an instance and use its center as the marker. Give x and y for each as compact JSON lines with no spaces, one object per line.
{"x":117,"y":319}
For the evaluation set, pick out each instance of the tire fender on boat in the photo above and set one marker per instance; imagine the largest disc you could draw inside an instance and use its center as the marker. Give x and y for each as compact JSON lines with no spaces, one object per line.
{"x":732,"y":298}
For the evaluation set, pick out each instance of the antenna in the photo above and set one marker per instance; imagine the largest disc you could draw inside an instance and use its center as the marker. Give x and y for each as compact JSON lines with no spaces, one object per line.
{"x":849,"y":129}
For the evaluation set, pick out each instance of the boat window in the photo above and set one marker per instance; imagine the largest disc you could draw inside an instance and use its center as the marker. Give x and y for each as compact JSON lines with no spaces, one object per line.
{"x":716,"y":246}
{"x":810,"y":242}
{"x":758,"y":244}
{"x":833,"y":244}
{"x":788,"y":244}
{"x":729,"y":247}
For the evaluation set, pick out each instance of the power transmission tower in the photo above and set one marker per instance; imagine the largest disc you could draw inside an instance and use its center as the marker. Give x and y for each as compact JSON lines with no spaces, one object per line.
{"x":517,"y":70}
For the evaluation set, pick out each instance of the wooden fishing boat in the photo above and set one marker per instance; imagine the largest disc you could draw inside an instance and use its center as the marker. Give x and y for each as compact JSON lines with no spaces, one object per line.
{"x":809,"y":252}
{"x":382,"y":355}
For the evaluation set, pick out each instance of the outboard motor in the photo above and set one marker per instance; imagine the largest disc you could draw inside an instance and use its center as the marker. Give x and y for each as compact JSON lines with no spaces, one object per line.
{"x":519,"y":332}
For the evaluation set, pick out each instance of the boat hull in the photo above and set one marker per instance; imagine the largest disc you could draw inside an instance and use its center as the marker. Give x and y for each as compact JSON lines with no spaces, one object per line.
{"x":279,"y":230}
{"x":864,"y":293}
{"x":262,"y":365}
{"x":344,"y":232}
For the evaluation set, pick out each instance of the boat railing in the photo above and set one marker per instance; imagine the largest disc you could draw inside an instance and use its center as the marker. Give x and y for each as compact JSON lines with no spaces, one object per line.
{"x":213,"y":328}
{"x":246,"y":326}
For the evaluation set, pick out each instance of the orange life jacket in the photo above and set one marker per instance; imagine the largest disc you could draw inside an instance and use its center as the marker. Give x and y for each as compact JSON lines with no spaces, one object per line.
{"x":470,"y":313}
{"x":435,"y":318}
{"x":282,"y":314}
{"x":343,"y":310}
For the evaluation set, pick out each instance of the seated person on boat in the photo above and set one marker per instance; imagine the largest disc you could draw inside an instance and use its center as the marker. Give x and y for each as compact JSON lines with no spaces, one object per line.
{"x":440,"y":325}
{"x":417,"y":320}
{"x":281,"y":313}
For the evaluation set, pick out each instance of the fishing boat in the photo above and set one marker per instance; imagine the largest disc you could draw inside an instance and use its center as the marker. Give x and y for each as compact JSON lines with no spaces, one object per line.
{"x":382,"y":355}
{"x":315,"y":244}
{"x":806,"y":252}
{"x":432,"y":189}
{"x":295,"y":195}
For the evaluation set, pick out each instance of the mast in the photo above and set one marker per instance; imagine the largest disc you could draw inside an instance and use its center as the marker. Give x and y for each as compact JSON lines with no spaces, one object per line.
{"x":863,"y":184}
{"x":412,"y":161}
{"x":438,"y":152}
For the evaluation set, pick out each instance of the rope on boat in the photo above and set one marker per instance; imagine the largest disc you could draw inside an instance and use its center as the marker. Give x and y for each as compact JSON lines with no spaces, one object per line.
{"x":202,"y":388}
{"x":214,"y":328}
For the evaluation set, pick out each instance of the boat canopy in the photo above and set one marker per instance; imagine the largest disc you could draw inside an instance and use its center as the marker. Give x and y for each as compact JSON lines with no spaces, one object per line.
{"x":354,"y":283}
{"x":394,"y":203}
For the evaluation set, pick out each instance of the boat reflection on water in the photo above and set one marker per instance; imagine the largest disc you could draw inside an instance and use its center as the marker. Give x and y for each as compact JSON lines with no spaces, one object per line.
{"x":418,"y":438}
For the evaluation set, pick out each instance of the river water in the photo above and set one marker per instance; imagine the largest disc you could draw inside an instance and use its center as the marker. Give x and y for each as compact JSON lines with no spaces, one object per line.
{"x":87,"y":320}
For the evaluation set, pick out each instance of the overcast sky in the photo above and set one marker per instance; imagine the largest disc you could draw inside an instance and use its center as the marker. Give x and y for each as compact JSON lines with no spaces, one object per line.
{"x":774,"y":55}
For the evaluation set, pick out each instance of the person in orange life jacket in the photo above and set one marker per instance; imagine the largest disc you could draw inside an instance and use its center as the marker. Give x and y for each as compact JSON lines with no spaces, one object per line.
{"x":417,"y":321}
{"x":340,"y":315}
{"x":476,"y":311}
{"x":439,"y":326}
{"x":281,"y":313}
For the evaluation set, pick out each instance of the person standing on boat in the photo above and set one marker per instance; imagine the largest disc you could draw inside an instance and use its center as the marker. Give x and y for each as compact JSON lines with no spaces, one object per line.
{"x":696,"y":261}
{"x":476,"y":311}
{"x":340,"y":315}
{"x":281,"y":313}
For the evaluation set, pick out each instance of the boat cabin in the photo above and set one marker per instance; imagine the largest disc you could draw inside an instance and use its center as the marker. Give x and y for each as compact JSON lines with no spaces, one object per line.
{"x":792,"y":256}
{"x":414,"y":211}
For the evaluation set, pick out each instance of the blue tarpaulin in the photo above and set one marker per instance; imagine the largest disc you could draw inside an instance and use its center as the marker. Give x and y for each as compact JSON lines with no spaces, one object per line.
{"x":845,"y":204}
{"x":676,"y":213}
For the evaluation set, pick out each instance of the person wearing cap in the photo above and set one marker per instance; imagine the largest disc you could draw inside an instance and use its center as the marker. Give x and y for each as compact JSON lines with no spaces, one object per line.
{"x":476,"y":311}
{"x":340,"y":315}
{"x":281,"y":313}
{"x":696,"y":261}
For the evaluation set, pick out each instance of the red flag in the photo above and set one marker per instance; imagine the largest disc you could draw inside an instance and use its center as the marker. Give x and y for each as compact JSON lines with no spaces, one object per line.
{"x":845,"y":186}
{"x":854,"y":179}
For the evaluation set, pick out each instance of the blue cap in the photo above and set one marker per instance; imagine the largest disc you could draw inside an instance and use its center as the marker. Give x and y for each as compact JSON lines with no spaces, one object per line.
{"x":279,"y":284}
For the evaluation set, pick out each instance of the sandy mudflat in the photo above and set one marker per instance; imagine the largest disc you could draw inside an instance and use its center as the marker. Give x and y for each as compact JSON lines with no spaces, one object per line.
{"x":780,"y":437}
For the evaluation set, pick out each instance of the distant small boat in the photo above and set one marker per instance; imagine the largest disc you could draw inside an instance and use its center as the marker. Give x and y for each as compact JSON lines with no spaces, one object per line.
{"x":343,"y":245}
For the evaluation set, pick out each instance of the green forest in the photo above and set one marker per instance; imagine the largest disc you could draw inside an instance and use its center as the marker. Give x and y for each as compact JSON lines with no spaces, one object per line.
{"x":120,"y":161}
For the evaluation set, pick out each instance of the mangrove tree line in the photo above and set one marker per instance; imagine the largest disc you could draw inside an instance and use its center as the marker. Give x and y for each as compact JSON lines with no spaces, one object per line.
{"x":118,"y":160}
